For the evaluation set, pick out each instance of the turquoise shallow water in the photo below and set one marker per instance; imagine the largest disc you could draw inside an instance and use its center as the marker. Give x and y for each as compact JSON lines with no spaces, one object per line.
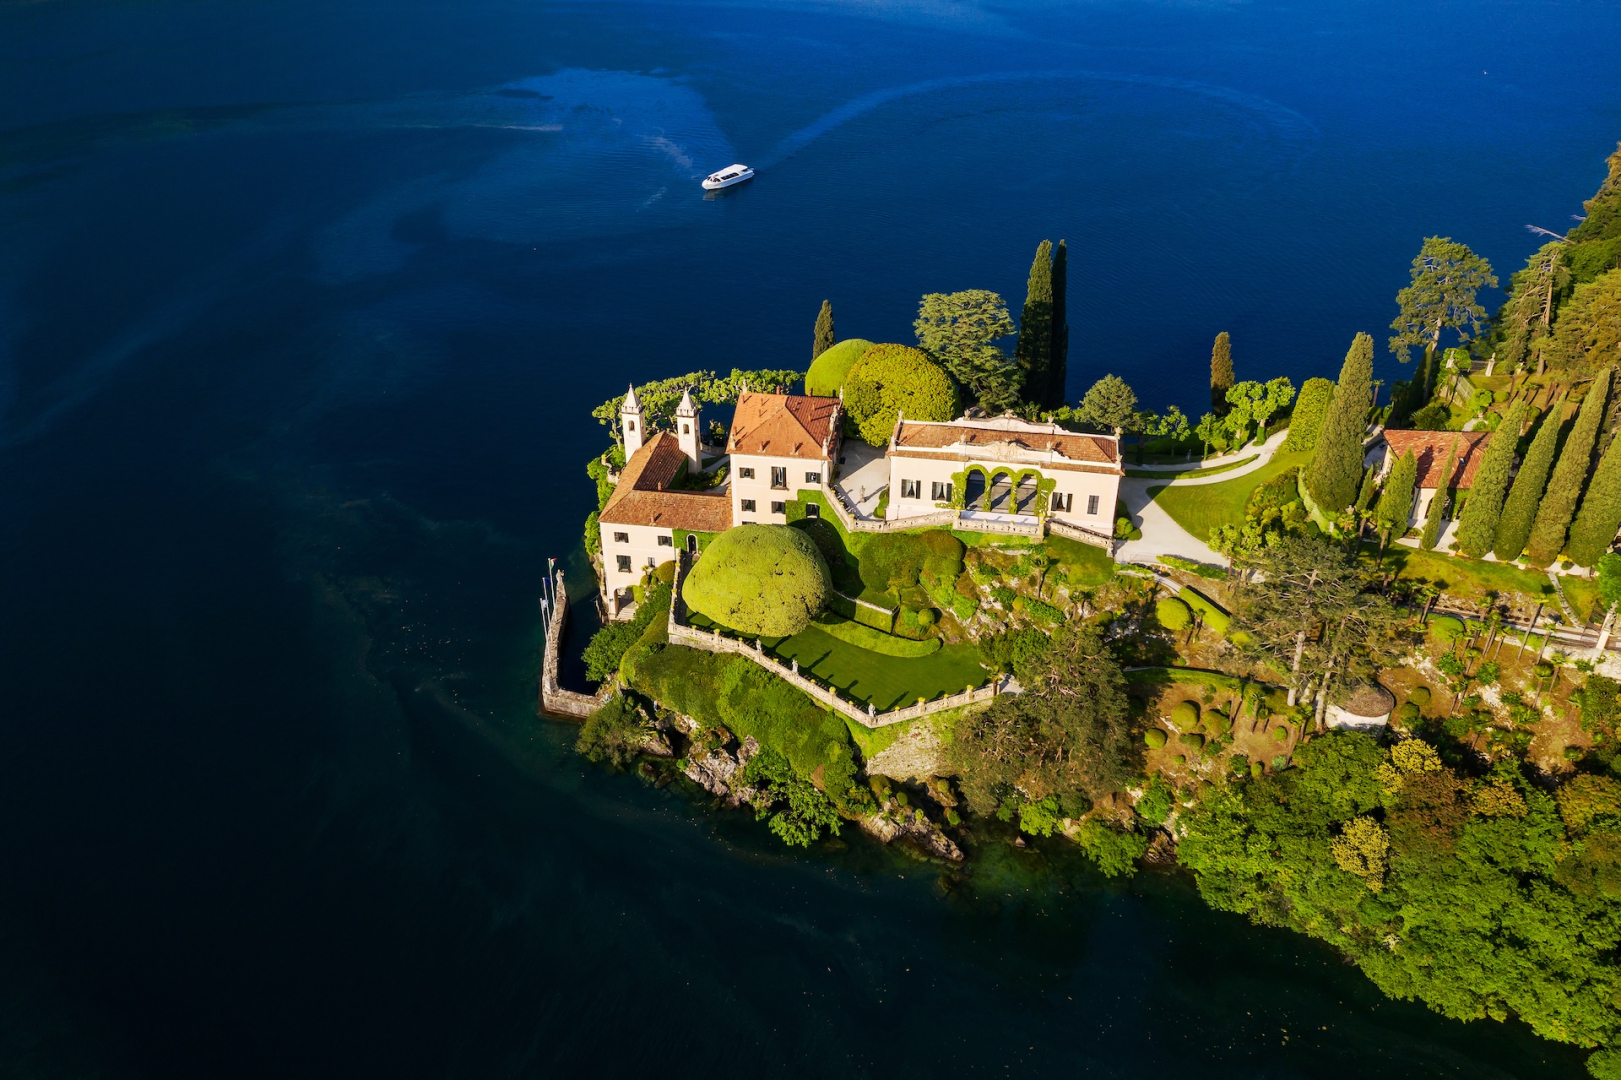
{"x":302,"y":311}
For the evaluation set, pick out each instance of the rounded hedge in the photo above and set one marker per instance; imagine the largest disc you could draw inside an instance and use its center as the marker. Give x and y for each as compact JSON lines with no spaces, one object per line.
{"x":1216,"y":722}
{"x":1192,"y":740}
{"x":891,"y":380}
{"x":1173,"y":614}
{"x":1155,"y":738}
{"x":1185,"y":715}
{"x":1446,"y":628}
{"x":1280,"y":733}
{"x":768,"y":580}
{"x":1408,"y":713}
{"x":827,"y":372}
{"x":1420,"y":696}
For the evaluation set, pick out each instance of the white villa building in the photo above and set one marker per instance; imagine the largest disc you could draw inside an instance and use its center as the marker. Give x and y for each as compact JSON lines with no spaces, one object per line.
{"x":996,"y":474}
{"x":1003,"y":469}
{"x":1431,"y":450}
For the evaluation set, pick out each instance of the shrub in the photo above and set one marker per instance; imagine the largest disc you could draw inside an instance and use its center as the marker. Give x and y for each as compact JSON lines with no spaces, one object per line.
{"x":1280,"y":733}
{"x":768,"y":580}
{"x":1597,"y":701}
{"x":1420,"y":696}
{"x":1192,"y":740}
{"x":1158,"y":800}
{"x":827,"y":372}
{"x":608,"y":645}
{"x":1173,"y":614}
{"x":1039,"y":609}
{"x":964,"y":607}
{"x":1257,"y":770}
{"x":1155,"y":738}
{"x":1004,"y":596}
{"x":1216,"y":722}
{"x":1408,"y":713}
{"x":664,"y":573}
{"x":926,"y":617}
{"x":892,"y":561}
{"x":1115,"y":852}
{"x":1188,"y":566}
{"x":893,"y":379}
{"x":1214,"y":617}
{"x":1185,"y":715}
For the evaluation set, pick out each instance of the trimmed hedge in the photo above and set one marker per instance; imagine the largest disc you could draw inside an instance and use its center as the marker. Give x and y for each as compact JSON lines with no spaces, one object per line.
{"x":1214,"y":617}
{"x":1155,"y":738}
{"x":1188,"y":566}
{"x":768,"y":580}
{"x":1173,"y":614}
{"x":893,"y":379}
{"x":828,"y":371}
{"x":1185,"y":715}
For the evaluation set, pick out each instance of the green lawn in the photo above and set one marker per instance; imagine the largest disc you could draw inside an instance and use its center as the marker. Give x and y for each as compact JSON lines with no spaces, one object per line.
{"x":1094,"y":565}
{"x":1582,"y":594}
{"x":885,"y":681}
{"x":1202,"y":507}
{"x":1189,"y":474}
{"x":1467,"y":578}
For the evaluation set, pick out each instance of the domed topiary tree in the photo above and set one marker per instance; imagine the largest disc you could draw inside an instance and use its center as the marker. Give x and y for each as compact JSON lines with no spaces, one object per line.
{"x":828,"y":370}
{"x":1155,"y":738}
{"x":891,"y":380}
{"x":1185,"y":715}
{"x":767,"y":580}
{"x":1173,"y":614}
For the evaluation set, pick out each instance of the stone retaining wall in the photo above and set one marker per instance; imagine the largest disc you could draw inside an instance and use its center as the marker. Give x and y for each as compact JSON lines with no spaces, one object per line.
{"x":554,"y":700}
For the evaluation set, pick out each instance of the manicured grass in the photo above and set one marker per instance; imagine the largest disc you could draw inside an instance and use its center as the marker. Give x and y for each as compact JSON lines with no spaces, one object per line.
{"x":1202,"y":507}
{"x":865,"y":637}
{"x":1582,"y":594}
{"x":1189,"y":474}
{"x":1466,"y":578}
{"x":885,"y":681}
{"x":1094,"y":566}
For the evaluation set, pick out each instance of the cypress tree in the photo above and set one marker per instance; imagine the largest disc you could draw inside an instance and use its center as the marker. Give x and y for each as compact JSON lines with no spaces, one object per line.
{"x":1396,"y":501}
{"x":1221,"y":372}
{"x":1058,"y":364}
{"x":1370,"y":483}
{"x":1559,"y":504}
{"x":1436,"y":514}
{"x":824,"y":330}
{"x":1477,"y":528}
{"x":1332,"y":476}
{"x":1600,"y":515}
{"x":1520,"y":509}
{"x":1034,"y":350}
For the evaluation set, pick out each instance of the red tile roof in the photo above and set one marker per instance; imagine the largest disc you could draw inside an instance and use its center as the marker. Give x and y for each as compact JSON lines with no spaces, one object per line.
{"x":782,"y":425}
{"x":1012,"y":436}
{"x":1430,"y":447}
{"x":643,"y":497}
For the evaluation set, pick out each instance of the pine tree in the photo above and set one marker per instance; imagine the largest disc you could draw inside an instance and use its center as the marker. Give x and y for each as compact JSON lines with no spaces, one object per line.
{"x":1477,"y":528}
{"x":1520,"y":508}
{"x":1396,"y":501}
{"x":1559,"y":504}
{"x":824,"y":330}
{"x":1221,"y":372}
{"x":1058,"y":365}
{"x":1436,"y":515}
{"x":1332,"y":476}
{"x":1600,"y":515}
{"x":1035,"y":346}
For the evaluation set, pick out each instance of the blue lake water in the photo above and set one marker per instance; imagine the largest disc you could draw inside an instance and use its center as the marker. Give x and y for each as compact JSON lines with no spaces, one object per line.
{"x":303,"y":307}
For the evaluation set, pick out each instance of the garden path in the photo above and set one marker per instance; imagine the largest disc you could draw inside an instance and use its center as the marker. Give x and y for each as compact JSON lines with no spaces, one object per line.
{"x":1161,"y":534}
{"x":1266,"y":450}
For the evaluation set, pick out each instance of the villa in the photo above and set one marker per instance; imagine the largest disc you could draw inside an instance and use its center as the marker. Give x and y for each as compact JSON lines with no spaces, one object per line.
{"x":1431,"y":449}
{"x":987,"y":474}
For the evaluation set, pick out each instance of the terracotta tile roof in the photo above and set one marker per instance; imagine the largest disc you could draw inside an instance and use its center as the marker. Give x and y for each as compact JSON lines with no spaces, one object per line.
{"x":642,"y":496}
{"x":782,"y":425}
{"x":1058,"y":464}
{"x":1010,"y":439}
{"x":1430,"y":447}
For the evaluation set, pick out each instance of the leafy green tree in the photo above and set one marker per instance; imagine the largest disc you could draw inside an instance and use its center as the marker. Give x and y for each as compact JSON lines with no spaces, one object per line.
{"x":1559,"y":504}
{"x":1477,"y":528}
{"x":959,"y":330}
{"x":615,"y":734}
{"x":1304,"y":607}
{"x":766,"y":580}
{"x":1034,"y":350}
{"x":891,"y":380}
{"x":1310,"y":411}
{"x":1221,"y":373}
{"x":1070,"y":733}
{"x":792,"y":807}
{"x":1446,"y":277}
{"x":1110,"y":404}
{"x":1335,"y":469}
{"x":1209,"y":430}
{"x":1588,"y":333}
{"x":1242,"y":401}
{"x":1600,"y":515}
{"x":660,"y":398}
{"x":609,"y":644}
{"x":1520,"y":508}
{"x":1396,"y":500}
{"x":1527,"y":316}
{"x":1435,"y":516}
{"x":1058,"y":365}
{"x":1168,"y":425}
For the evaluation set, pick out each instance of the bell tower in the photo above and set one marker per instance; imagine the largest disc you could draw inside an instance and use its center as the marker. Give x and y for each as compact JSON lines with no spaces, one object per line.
{"x":632,"y":424}
{"x":688,"y":432}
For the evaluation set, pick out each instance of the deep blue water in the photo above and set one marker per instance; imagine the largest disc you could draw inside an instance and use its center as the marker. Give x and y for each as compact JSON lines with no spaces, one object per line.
{"x":303,"y":307}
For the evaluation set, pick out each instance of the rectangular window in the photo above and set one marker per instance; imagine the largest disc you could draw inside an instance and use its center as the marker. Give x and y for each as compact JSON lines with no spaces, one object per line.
{"x":812,"y":510}
{"x":745,"y":474}
{"x":778,"y":508}
{"x":748,"y":506}
{"x":940,"y":492}
{"x":1062,"y":502}
{"x":621,"y":538}
{"x":623,"y":562}
{"x":666,"y":541}
{"x":813,"y":478}
{"x":686,"y":429}
{"x":1092,"y":505}
{"x":779,"y":476}
{"x":911,"y":489}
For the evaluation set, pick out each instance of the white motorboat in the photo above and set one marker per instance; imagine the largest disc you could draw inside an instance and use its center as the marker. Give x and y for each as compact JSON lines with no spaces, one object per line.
{"x":732,"y":174}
